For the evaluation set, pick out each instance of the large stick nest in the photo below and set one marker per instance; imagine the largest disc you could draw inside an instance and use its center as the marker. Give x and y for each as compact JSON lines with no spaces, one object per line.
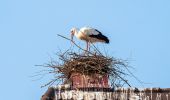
{"x":88,"y":65}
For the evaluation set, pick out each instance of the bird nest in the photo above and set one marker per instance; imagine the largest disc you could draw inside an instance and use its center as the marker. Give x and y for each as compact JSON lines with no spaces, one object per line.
{"x":71,"y":62}
{"x":86,"y":65}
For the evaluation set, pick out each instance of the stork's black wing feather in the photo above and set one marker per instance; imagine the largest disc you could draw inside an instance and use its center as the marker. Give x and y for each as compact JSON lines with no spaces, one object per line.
{"x":100,"y":36}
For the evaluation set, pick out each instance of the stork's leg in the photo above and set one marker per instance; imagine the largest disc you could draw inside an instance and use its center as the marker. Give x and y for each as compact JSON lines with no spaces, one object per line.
{"x":87,"y":46}
{"x":85,"y":50}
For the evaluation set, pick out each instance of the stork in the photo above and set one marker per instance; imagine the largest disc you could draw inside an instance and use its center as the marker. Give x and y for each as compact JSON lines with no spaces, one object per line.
{"x":88,"y":34}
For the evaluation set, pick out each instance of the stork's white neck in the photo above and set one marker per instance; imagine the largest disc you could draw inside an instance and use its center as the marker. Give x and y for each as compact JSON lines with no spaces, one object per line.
{"x":76,"y":32}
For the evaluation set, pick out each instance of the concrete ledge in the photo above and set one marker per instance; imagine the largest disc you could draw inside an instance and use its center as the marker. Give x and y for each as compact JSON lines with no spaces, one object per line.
{"x":118,"y":94}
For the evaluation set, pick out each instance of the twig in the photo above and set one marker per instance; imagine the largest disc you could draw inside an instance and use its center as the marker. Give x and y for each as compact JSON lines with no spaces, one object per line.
{"x":96,"y":48}
{"x":75,"y":44}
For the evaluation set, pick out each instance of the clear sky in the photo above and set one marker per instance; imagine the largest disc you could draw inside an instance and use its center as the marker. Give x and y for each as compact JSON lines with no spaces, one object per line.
{"x":139,"y":30}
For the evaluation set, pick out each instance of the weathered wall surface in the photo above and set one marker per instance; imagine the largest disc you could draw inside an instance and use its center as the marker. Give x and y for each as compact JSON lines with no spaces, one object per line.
{"x":97,"y":94}
{"x":80,"y":81}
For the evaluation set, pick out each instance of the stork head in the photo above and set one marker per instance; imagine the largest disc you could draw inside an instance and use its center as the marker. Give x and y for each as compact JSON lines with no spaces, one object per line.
{"x":72,"y":32}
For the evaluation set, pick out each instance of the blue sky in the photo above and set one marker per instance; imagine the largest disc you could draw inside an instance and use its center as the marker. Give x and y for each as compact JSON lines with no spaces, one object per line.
{"x":139,"y":30}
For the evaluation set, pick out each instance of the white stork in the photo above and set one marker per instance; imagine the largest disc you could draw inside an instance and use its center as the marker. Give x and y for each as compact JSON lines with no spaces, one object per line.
{"x":90,"y":35}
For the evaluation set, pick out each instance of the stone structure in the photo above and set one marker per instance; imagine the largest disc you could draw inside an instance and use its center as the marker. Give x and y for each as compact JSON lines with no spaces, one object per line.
{"x":84,"y":81}
{"x":56,"y":93}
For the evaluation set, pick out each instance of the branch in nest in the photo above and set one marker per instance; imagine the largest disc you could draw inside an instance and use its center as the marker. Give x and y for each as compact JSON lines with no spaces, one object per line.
{"x":78,"y":45}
